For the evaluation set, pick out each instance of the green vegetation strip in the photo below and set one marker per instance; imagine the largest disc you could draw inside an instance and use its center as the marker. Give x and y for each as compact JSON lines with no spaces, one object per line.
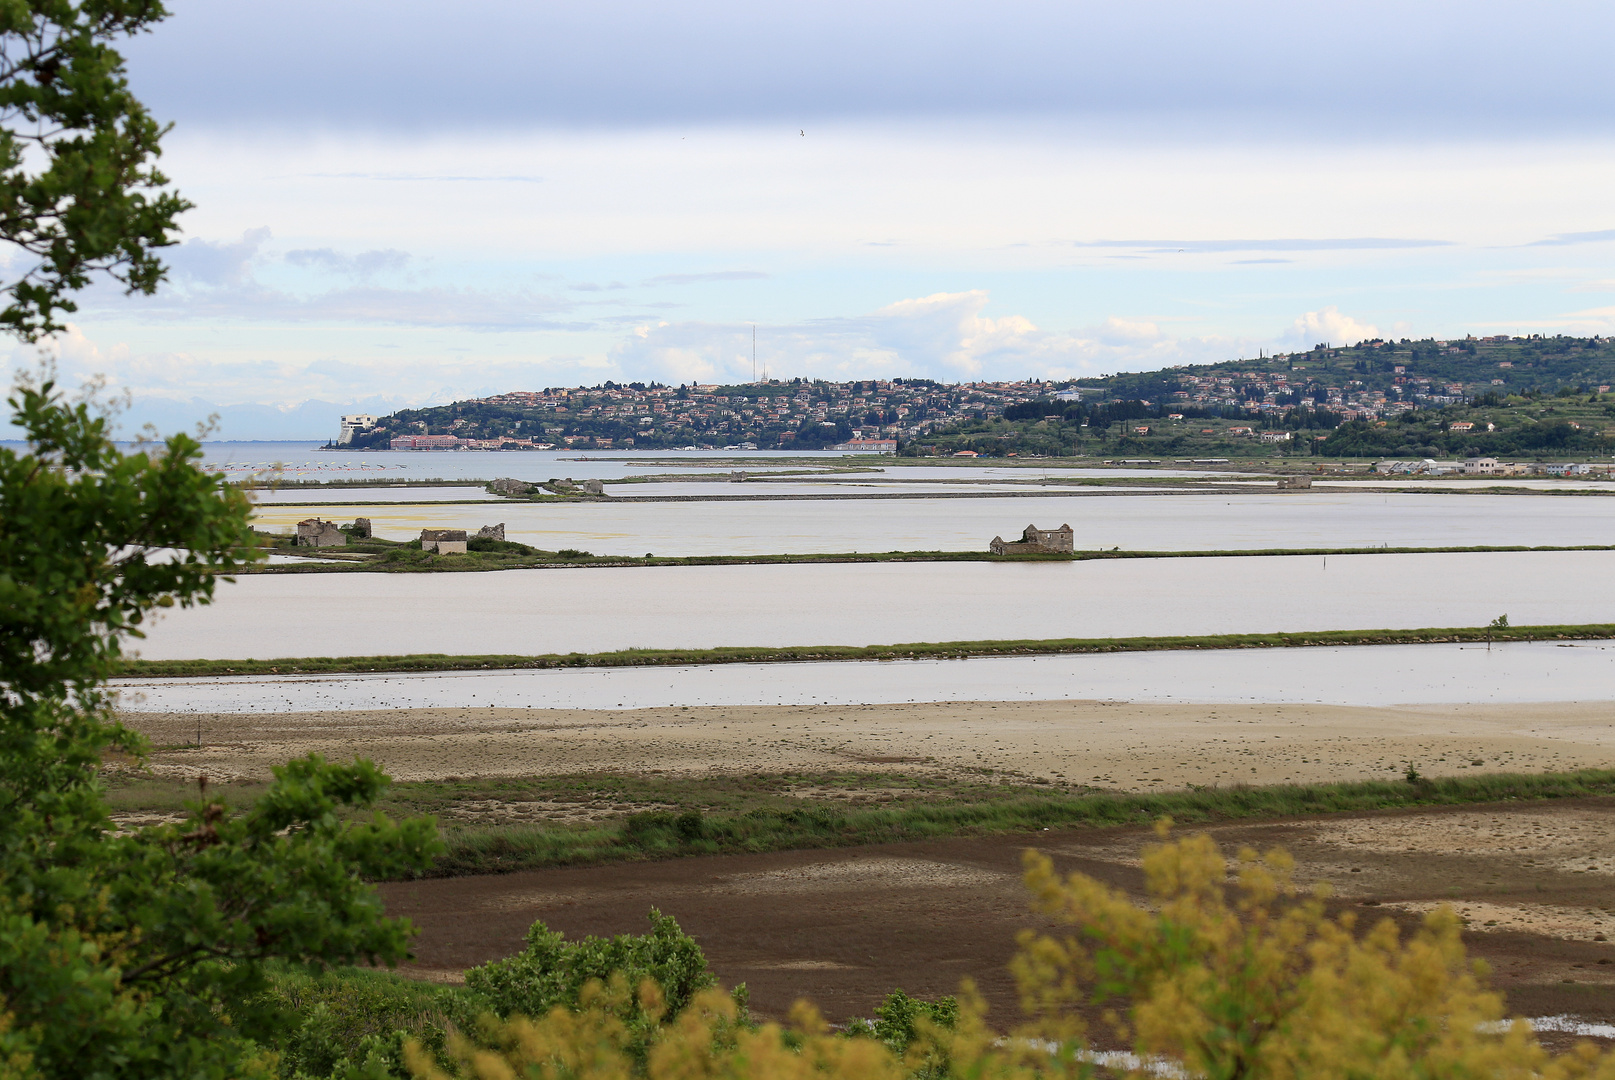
{"x":947,"y":650}
{"x":656,"y":835}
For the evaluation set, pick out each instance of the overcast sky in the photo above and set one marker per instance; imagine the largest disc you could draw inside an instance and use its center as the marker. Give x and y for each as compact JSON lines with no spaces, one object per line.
{"x":408,"y":202}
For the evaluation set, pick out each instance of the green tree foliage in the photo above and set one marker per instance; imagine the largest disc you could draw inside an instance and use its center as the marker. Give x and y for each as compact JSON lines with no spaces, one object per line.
{"x":78,"y":191}
{"x":131,"y":953}
{"x":552,"y":972}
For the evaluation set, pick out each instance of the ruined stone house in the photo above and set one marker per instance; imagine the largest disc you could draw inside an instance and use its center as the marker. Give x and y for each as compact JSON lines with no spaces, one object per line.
{"x":317,"y":533}
{"x":492,"y":532}
{"x":1036,"y":541}
{"x":443,"y":541}
{"x":507,"y":486}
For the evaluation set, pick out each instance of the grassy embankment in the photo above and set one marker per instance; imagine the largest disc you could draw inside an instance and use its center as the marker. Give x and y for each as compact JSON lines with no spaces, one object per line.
{"x":714,"y":815}
{"x":946,"y":650}
{"x":383,"y":556}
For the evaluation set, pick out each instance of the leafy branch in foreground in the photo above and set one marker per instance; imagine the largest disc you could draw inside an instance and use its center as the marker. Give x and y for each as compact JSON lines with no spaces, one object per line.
{"x":78,"y":192}
{"x":136,"y":954}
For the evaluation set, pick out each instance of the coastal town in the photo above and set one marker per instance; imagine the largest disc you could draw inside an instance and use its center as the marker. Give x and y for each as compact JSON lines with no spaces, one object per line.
{"x":1530,"y":397}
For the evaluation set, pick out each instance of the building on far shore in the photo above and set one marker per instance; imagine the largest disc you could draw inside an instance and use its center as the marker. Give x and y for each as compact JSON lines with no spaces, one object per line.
{"x":352,"y":424}
{"x":1036,"y":541}
{"x":879,"y":446}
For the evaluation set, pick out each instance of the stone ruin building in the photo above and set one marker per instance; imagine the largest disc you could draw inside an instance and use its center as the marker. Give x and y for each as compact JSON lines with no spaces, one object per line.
{"x":443,"y":541}
{"x":570,"y":486}
{"x":492,"y":532}
{"x":317,"y":533}
{"x":1036,"y":541}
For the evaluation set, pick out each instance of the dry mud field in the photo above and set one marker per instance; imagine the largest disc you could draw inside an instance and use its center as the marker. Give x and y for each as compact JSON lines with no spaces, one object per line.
{"x":1533,"y":880}
{"x":841,"y":928}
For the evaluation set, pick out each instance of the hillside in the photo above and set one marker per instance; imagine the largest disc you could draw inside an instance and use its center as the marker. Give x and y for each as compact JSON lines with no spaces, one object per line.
{"x":1523,"y":397}
{"x":1531,"y":397}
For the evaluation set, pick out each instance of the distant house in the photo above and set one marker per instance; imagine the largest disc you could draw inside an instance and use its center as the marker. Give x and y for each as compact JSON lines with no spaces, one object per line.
{"x":1461,"y":426}
{"x":1276,"y":436}
{"x":1294,"y":483}
{"x":313,"y":532}
{"x":492,"y":532}
{"x":965,"y":453}
{"x":1036,"y":541}
{"x":1480,"y":466}
{"x":879,"y":446}
{"x":443,"y":541}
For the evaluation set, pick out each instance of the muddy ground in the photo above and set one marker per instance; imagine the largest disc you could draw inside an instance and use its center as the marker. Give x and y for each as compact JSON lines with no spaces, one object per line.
{"x":842,"y":928}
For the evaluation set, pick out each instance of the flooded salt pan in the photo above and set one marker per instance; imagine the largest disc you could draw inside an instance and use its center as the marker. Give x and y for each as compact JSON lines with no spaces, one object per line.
{"x":1354,"y":675}
{"x":580,"y":610}
{"x":1133,"y":522}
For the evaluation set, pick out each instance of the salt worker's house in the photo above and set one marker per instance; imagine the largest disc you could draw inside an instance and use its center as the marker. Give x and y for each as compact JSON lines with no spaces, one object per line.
{"x":1036,"y":541}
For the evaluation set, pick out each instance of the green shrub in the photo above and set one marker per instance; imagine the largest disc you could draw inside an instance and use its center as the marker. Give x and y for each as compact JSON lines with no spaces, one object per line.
{"x":552,"y":971}
{"x":895,"y":1018}
{"x":351,"y":1024}
{"x":502,"y":547}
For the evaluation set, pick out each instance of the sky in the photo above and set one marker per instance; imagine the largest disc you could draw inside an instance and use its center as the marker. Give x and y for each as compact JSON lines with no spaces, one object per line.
{"x":410,"y":203}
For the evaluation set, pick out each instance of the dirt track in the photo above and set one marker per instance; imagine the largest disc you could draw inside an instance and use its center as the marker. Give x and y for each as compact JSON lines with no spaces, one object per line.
{"x":843,"y":927}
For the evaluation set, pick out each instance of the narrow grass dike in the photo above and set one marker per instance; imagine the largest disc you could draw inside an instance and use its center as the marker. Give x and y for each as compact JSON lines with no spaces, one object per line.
{"x":947,"y":650}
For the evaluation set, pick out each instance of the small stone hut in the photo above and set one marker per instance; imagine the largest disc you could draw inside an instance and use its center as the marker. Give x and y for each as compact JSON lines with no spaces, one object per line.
{"x":507,"y":486}
{"x":443,"y":541}
{"x":492,"y":532}
{"x":1294,"y":483}
{"x":317,"y":533}
{"x":1036,"y":541}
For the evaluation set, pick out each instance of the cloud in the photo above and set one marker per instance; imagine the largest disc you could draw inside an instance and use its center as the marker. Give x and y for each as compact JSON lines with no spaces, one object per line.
{"x":717,"y":275}
{"x":1329,"y":325}
{"x":1601,"y":236}
{"x":363,"y":265}
{"x":635,"y":62}
{"x":207,"y":262}
{"x":944,"y":336}
{"x":216,"y":280}
{"x":1350,"y":243}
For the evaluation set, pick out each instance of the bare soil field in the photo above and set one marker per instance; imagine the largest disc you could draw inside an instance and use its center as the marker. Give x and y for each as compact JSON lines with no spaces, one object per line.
{"x":844,"y":927}
{"x":1115,"y":745}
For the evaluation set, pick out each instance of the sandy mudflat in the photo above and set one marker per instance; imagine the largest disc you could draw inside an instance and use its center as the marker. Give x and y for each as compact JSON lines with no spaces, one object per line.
{"x":1113,"y":744}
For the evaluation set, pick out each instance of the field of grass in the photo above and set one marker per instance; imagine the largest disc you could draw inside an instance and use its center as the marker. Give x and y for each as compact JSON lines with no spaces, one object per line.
{"x":506,"y":824}
{"x":946,"y":650}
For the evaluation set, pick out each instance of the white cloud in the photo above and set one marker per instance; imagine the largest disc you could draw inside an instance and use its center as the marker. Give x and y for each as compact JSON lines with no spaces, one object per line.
{"x":1329,"y":325}
{"x":945,"y":336}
